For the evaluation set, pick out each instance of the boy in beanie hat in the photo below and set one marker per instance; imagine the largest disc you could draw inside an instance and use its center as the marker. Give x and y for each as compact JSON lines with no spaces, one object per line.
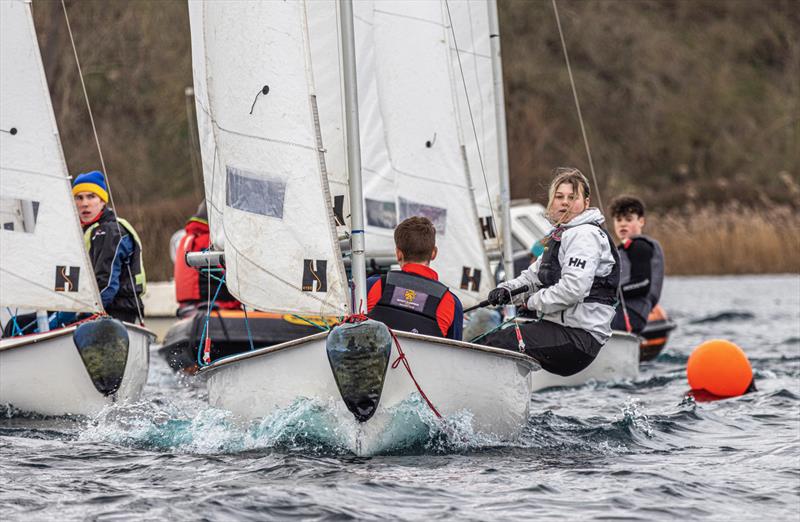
{"x":114,"y":248}
{"x":91,"y":195}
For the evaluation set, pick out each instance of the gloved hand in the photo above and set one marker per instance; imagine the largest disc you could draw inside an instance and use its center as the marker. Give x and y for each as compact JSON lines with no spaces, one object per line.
{"x":499,"y":296}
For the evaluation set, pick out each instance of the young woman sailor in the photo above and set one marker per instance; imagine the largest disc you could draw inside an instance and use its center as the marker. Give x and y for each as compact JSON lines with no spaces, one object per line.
{"x":572,"y":286}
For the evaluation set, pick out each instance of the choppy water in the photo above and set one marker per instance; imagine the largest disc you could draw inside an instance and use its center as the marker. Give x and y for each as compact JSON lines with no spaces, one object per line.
{"x":632,"y":450}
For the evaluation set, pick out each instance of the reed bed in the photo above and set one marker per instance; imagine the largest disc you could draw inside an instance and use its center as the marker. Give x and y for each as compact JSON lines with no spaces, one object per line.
{"x":732,"y":240}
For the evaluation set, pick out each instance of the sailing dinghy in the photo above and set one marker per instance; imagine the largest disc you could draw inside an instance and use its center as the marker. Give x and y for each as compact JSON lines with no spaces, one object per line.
{"x":283,"y":184}
{"x":478,"y":98}
{"x":43,"y":264}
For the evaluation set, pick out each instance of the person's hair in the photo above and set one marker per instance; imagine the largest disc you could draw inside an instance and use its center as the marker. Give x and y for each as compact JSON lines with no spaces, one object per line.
{"x":626,"y":205}
{"x":416,"y":238}
{"x":573,"y":176}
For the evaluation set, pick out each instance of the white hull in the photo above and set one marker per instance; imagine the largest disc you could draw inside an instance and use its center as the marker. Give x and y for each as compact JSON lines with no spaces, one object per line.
{"x":44,"y":373}
{"x":618,"y":359}
{"x":490,"y":385}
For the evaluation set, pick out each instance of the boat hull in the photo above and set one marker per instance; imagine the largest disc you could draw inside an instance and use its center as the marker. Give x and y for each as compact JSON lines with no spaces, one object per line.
{"x":490,"y":385}
{"x":618,"y":359}
{"x":45,"y":374}
{"x":655,"y":334}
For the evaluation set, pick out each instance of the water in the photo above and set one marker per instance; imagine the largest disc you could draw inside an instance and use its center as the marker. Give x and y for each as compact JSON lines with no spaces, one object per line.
{"x":633,"y":450}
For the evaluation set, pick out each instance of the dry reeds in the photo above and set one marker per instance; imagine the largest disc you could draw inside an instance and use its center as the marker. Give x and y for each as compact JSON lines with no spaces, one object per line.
{"x":732,"y":240}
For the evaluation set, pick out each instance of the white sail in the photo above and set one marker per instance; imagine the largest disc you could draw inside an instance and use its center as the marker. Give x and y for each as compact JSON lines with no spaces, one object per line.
{"x":43,"y":263}
{"x":471,"y":65}
{"x":270,"y":201}
{"x":326,"y":64}
{"x":413,"y":159}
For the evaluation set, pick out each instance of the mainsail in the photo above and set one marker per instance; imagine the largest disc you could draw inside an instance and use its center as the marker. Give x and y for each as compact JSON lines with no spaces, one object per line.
{"x":270,"y":203}
{"x":414,"y":158}
{"x":43,"y":263}
{"x":471,"y":65}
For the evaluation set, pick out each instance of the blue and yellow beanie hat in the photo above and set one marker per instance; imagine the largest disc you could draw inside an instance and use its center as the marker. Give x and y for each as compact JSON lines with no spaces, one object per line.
{"x":93,"y":181}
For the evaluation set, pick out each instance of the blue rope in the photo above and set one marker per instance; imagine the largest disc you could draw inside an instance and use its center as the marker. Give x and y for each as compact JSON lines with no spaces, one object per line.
{"x":247,"y":324}
{"x":205,"y":326}
{"x":15,"y":329}
{"x":498,"y":327}
{"x":312,"y":323}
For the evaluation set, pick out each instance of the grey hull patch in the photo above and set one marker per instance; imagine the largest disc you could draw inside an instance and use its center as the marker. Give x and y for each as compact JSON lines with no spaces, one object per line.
{"x":103,"y":347}
{"x":359,"y":356}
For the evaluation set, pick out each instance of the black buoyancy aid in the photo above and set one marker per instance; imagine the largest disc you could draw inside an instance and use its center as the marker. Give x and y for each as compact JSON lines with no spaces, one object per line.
{"x":409,"y":303}
{"x":133,"y":280}
{"x":604,"y":289}
{"x":656,"y":269}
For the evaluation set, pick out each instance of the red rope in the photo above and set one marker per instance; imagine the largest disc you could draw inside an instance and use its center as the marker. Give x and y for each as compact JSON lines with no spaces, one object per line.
{"x":357,"y":318}
{"x":402,"y":358}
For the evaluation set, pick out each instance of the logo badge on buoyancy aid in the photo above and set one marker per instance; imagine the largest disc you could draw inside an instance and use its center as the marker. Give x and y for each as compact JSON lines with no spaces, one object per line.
{"x":410,"y":299}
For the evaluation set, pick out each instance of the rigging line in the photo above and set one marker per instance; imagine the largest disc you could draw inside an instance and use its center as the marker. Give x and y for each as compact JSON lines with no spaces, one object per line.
{"x":577,"y":106}
{"x":322,"y":301}
{"x":216,"y":124}
{"x":194,"y":146}
{"x":36,"y":173}
{"x":100,"y":153}
{"x":47,"y":288}
{"x":472,"y":119}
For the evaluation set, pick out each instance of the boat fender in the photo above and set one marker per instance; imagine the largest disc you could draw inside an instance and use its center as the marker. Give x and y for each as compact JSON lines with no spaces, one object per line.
{"x":103,"y":347}
{"x":358,"y":354}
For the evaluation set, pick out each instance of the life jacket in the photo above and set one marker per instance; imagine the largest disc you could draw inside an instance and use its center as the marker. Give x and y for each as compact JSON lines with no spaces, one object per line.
{"x":409,"y":303}
{"x":643,"y":306}
{"x":136,"y":264}
{"x":603,"y":290}
{"x":192,"y":286}
{"x":187,"y":279}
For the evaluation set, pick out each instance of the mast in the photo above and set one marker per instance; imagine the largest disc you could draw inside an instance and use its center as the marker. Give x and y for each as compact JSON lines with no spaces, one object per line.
{"x":502,"y":139}
{"x":357,"y":243}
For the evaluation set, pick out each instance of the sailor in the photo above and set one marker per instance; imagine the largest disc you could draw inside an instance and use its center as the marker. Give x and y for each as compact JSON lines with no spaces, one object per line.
{"x":194,"y":288}
{"x":641,"y":265}
{"x":572,"y":286}
{"x":412,"y":299}
{"x":114,"y":247}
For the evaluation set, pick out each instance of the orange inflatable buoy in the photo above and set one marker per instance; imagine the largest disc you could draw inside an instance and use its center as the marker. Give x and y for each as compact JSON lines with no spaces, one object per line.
{"x":719,"y":367}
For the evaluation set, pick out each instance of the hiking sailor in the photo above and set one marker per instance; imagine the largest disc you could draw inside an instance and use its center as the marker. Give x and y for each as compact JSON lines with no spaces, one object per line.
{"x":572,"y":285}
{"x":412,"y":299}
{"x":114,"y":247}
{"x":641,"y":265}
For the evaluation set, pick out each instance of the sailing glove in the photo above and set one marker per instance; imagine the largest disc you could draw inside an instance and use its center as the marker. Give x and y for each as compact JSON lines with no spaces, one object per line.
{"x":499,"y":296}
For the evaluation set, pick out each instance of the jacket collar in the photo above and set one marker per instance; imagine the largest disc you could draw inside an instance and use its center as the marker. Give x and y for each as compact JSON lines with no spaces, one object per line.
{"x":420,"y":270}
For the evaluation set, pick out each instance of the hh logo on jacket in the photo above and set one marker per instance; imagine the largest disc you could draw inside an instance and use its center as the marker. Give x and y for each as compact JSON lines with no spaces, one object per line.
{"x":576,"y":261}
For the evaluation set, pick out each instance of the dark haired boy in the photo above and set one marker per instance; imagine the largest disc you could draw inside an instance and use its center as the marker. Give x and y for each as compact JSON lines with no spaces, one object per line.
{"x":412,"y":299}
{"x":641,"y":265}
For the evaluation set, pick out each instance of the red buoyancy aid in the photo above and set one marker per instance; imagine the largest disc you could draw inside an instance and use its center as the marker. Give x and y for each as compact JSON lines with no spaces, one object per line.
{"x":187,"y":279}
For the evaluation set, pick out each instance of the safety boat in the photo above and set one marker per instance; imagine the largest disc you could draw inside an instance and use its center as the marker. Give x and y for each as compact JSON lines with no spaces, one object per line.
{"x":43,"y":263}
{"x":655,"y":333}
{"x":281,"y":158}
{"x":232,"y":332}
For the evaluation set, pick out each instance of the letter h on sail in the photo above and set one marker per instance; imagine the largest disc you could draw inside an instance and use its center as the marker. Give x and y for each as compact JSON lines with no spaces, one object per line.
{"x":487,"y":227}
{"x":315,"y":275}
{"x":470,"y":279}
